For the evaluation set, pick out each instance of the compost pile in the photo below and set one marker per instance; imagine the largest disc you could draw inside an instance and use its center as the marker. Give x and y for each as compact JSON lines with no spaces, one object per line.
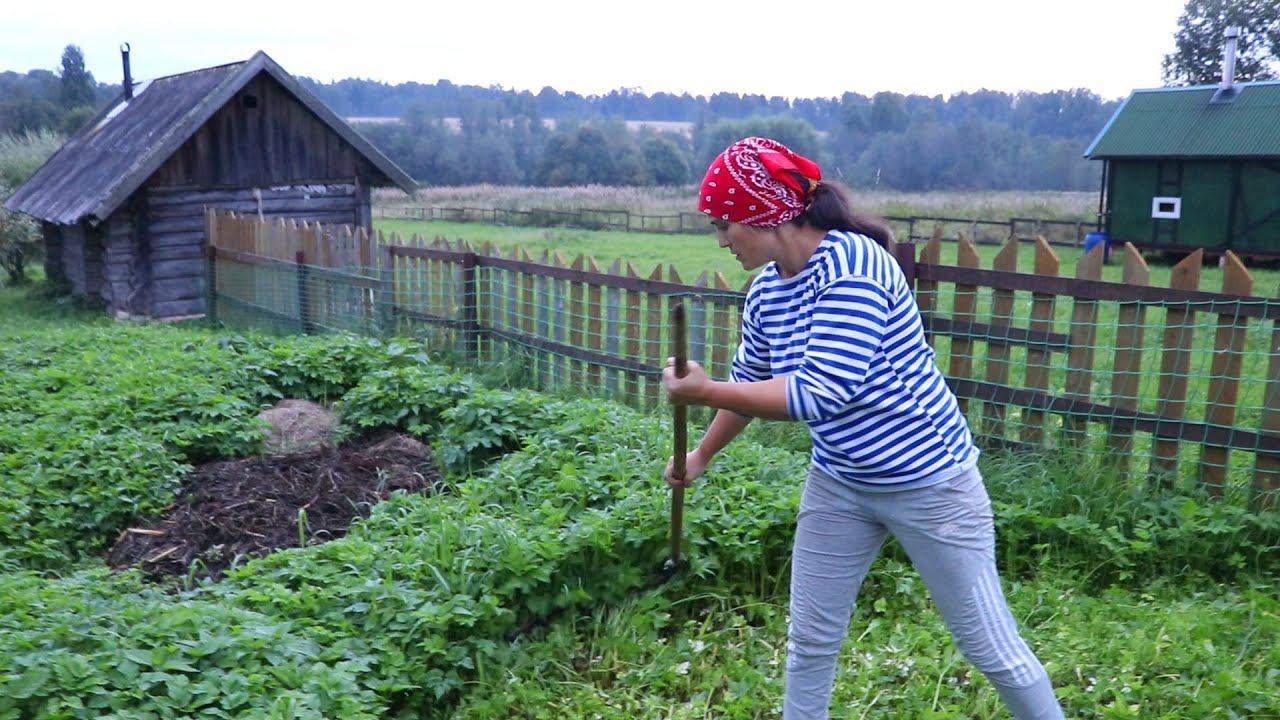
{"x":230,"y":511}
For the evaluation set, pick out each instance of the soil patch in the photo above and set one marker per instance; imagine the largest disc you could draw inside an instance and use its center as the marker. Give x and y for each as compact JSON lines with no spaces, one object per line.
{"x":233,"y":510}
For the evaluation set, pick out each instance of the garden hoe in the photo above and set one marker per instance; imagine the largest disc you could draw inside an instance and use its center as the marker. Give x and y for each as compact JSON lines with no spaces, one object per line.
{"x":680,"y":418}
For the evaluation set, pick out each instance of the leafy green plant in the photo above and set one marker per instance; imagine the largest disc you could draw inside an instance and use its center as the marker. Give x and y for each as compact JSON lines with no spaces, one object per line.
{"x":529,"y":591}
{"x":97,"y":645}
{"x":324,"y":368}
{"x":490,"y":423}
{"x":411,"y":398}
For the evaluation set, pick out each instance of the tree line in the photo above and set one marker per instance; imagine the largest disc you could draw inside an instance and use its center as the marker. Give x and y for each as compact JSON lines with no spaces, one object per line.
{"x":448,"y":134}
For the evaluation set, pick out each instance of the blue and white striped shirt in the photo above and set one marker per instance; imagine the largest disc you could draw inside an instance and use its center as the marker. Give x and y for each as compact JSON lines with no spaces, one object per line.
{"x":847,"y":333}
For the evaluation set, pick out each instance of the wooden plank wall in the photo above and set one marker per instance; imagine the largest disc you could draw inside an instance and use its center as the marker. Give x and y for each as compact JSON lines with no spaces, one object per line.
{"x":82,"y":258}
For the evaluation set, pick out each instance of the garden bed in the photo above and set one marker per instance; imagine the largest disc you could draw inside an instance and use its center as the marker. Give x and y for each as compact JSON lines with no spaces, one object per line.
{"x":233,"y":510}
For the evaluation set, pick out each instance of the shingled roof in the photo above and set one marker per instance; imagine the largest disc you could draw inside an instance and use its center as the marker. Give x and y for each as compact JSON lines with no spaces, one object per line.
{"x":113,"y":155}
{"x":1190,"y":122}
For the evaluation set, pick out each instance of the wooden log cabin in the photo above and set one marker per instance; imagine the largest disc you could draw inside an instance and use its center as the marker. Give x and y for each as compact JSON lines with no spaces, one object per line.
{"x":122,"y":203}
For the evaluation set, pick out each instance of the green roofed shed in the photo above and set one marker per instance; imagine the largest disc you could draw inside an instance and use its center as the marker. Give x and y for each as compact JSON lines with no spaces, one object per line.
{"x":1194,"y":167}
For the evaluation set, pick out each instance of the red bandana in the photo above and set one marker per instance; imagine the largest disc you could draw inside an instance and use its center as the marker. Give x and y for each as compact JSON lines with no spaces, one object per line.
{"x":754,"y":182}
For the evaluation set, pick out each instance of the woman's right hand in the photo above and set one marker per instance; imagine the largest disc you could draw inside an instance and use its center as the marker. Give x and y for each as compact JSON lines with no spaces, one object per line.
{"x":694,"y":464}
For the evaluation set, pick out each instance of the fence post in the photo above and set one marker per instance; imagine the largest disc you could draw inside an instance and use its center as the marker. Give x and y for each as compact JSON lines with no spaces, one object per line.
{"x":966,"y":300}
{"x":1127,"y":375}
{"x":528,"y":316}
{"x":632,"y":333}
{"x":595,"y":311}
{"x":559,"y":304}
{"x":211,"y":269}
{"x":1224,"y":381}
{"x":927,"y":290}
{"x":386,"y":304}
{"x":1084,"y":333}
{"x":577,"y":321}
{"x":1266,"y":471}
{"x":653,"y":340}
{"x":1038,"y":360}
{"x":211,"y":283}
{"x":997,"y":371}
{"x":542,"y":308}
{"x":613,"y":303}
{"x":470,"y":312}
{"x":304,"y":312}
{"x":904,"y":253}
{"x":1175,"y":366}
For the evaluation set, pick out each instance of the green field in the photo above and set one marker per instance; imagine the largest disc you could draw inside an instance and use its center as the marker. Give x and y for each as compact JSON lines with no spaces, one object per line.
{"x":978,"y":205}
{"x":692,"y":254}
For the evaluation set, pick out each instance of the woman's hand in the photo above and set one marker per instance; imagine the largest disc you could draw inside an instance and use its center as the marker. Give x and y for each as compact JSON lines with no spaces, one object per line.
{"x":692,"y":389}
{"x":694,"y":464}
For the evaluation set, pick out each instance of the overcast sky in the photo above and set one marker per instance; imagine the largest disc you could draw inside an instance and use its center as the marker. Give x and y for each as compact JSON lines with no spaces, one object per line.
{"x":788,"y":48}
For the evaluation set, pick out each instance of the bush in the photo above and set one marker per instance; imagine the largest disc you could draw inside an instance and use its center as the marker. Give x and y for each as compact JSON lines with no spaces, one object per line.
{"x":20,"y":241}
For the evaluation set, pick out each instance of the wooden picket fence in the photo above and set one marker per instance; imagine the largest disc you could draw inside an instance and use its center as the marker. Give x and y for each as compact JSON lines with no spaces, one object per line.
{"x":571,"y":323}
{"x":1124,"y":392}
{"x":1037,"y":359}
{"x":289,"y":274}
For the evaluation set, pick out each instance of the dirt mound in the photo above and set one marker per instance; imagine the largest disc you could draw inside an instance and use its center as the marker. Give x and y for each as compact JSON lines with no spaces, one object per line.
{"x":230,"y":511}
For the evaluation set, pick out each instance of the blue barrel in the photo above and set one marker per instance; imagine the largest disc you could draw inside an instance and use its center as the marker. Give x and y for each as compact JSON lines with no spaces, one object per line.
{"x":1093,"y":239}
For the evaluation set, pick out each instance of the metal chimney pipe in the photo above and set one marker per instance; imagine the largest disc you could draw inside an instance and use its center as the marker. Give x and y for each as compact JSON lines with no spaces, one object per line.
{"x":128,"y":76}
{"x":1229,"y":57}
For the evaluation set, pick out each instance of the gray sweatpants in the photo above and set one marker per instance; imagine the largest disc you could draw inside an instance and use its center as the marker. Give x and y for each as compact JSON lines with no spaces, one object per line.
{"x":947,"y":530}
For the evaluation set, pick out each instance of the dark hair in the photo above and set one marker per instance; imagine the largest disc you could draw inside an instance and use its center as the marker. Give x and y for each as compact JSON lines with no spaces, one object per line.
{"x":831,"y":208}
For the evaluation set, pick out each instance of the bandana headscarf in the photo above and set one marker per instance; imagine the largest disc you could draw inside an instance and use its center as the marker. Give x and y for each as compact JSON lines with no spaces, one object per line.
{"x":758,"y":181}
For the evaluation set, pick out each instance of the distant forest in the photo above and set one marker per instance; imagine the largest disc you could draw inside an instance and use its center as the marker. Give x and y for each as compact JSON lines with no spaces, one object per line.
{"x":447,"y":134}
{"x":451,"y":134}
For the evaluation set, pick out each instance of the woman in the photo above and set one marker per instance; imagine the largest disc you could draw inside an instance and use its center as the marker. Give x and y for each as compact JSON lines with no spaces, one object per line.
{"x":831,"y":336}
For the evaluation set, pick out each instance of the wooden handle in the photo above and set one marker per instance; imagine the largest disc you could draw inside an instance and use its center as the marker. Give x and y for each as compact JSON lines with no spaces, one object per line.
{"x":680,"y":412}
{"x":680,"y":351}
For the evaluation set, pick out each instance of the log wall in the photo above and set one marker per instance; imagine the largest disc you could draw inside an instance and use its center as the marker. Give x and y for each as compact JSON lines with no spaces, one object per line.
{"x":175,"y":232}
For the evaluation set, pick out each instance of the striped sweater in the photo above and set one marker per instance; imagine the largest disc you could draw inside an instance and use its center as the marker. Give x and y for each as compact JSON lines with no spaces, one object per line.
{"x":847,"y":334}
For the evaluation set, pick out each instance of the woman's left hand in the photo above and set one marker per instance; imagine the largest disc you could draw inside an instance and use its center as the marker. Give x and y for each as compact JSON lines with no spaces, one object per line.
{"x":691,"y":389}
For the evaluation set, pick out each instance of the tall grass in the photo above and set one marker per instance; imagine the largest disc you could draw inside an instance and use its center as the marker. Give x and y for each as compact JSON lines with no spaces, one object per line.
{"x":986,"y":205}
{"x":21,"y":155}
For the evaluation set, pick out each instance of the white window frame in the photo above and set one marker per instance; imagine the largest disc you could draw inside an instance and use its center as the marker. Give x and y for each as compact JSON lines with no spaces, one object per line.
{"x":1158,"y":214}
